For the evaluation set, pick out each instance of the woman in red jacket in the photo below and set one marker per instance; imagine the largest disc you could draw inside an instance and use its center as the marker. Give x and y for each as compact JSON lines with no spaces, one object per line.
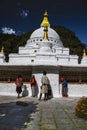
{"x":19,"y":83}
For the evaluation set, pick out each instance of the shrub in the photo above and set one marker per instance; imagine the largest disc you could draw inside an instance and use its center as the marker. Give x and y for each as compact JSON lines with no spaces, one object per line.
{"x":81,"y":108}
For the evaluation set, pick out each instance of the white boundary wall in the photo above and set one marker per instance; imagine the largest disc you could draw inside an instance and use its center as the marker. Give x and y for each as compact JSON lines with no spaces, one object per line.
{"x":10,"y":89}
{"x":74,"y":90}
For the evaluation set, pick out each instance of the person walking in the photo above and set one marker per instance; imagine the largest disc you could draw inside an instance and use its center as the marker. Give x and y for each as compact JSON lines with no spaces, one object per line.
{"x":64,"y":87}
{"x":19,"y":83}
{"x":33,"y":85}
{"x":44,"y":86}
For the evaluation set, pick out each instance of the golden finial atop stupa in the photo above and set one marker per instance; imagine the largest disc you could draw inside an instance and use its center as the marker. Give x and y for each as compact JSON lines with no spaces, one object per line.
{"x":2,"y":49}
{"x":45,"y":33}
{"x":84,"y":52}
{"x":45,"y":22}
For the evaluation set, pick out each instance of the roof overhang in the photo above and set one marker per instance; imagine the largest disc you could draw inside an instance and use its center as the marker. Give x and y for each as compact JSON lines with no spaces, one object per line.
{"x":39,"y":67}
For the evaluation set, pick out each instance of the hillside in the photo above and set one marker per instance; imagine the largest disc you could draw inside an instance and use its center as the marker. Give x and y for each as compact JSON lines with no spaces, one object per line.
{"x":69,"y":39}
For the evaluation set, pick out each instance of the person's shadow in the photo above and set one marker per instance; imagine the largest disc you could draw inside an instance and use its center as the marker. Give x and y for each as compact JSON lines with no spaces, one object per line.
{"x":36,"y":90}
{"x":50,"y":94}
{"x":25,"y":91}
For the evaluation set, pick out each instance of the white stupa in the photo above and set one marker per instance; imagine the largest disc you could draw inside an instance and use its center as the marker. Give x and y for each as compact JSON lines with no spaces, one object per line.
{"x":45,"y":51}
{"x":43,"y":47}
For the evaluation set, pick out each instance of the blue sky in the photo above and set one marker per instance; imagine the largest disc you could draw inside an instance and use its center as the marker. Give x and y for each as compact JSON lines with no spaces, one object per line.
{"x":20,"y":16}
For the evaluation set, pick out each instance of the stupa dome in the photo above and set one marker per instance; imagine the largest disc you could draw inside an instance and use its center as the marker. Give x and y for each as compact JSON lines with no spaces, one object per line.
{"x":39,"y":33}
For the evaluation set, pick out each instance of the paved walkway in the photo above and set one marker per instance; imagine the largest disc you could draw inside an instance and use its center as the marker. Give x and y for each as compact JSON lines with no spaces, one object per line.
{"x":54,"y":114}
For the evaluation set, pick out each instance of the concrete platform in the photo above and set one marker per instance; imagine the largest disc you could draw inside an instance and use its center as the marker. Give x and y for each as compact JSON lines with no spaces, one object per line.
{"x":54,"y":114}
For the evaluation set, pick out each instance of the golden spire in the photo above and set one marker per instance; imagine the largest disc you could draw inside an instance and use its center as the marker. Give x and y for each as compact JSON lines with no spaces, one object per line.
{"x":45,"y":32}
{"x":2,"y":49}
{"x":45,"y":22}
{"x":84,"y":53}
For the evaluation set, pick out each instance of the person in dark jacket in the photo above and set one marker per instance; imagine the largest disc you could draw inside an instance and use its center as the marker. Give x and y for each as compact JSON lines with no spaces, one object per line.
{"x":64,"y":87}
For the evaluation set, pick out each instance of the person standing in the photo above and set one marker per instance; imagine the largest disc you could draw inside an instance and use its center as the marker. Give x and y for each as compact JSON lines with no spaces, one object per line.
{"x":44,"y":87}
{"x":64,"y":87}
{"x":19,"y":83}
{"x":33,"y":85}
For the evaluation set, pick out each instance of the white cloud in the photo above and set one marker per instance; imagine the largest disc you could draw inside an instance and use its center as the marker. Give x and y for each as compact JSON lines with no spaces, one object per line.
{"x":7,"y":30}
{"x":24,"y":13}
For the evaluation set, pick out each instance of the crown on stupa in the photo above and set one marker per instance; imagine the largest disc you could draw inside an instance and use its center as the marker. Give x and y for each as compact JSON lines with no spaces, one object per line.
{"x":45,"y":22}
{"x":2,"y":49}
{"x":84,"y":52}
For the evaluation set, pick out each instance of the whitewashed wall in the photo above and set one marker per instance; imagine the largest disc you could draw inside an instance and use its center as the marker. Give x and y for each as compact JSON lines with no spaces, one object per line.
{"x":75,"y":90}
{"x":54,"y":85}
{"x":10,"y":89}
